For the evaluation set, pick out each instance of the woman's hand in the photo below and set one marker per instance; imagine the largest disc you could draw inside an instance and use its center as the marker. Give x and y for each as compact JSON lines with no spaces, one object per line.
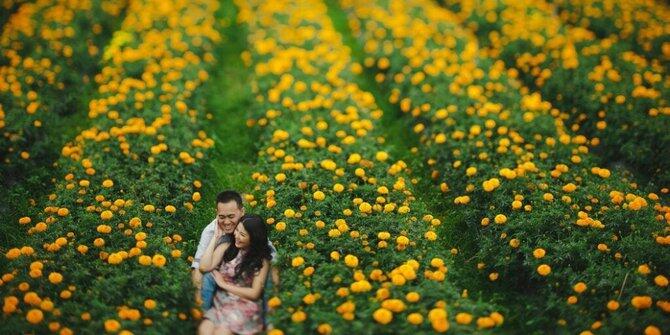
{"x":218,"y":232}
{"x":218,"y":278}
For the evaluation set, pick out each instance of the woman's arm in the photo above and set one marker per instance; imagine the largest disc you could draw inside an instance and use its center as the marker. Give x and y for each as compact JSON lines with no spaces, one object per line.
{"x":210,"y":263}
{"x":252,"y":293}
{"x":207,"y":261}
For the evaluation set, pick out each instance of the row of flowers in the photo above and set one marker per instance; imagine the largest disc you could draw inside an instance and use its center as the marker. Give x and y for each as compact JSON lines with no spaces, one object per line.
{"x":585,"y":249}
{"x":105,"y":253}
{"x":358,"y":253}
{"x":50,"y":52}
{"x":601,"y":86}
{"x":643,"y":24}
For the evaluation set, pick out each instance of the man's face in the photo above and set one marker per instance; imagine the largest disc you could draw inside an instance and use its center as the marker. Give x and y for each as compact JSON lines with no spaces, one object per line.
{"x":228,"y":215}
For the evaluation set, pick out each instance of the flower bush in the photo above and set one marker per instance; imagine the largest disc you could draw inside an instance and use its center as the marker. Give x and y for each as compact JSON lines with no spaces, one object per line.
{"x":51,"y":51}
{"x":358,"y":252}
{"x":104,"y":254}
{"x":578,"y":244}
{"x":643,"y":24}
{"x":605,"y":90}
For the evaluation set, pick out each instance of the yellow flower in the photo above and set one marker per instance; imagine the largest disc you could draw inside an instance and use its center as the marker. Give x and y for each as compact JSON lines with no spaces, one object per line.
{"x":485,"y":322}
{"x":381,"y":156}
{"x":112,"y":326}
{"x":413,"y":297}
{"x":297,"y":261}
{"x":106,"y":215}
{"x":289,"y":213}
{"x":500,"y":219}
{"x":298,"y":316}
{"x":274,"y":302}
{"x":351,"y":261}
{"x":539,"y":253}
{"x":365,"y":207}
{"x":13,"y":253}
{"x":415,"y":318}
{"x":114,"y":258}
{"x":383,"y":316}
{"x":309,"y":299}
{"x":144,"y":260}
{"x":463,"y":318}
{"x":319,"y":196}
{"x":544,"y":269}
{"x":55,"y":278}
{"x":612,"y":305}
{"x":328,"y":164}
{"x":641,"y":302}
{"x":34,"y":316}
{"x":107,"y":183}
{"x":158,"y":260}
{"x":324,"y":329}
{"x":652,"y":330}
{"x":579,"y":287}
{"x":149,"y":304}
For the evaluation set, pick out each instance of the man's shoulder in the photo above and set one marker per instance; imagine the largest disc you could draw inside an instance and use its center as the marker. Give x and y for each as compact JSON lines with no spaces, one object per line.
{"x":210,"y":226}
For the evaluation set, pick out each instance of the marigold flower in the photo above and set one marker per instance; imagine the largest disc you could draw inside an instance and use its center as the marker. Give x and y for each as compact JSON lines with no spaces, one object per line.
{"x":641,"y":302}
{"x":544,"y":270}
{"x":383,"y":316}
{"x":112,"y":326}
{"x":415,"y":318}
{"x":298,"y":316}
{"x":351,"y":261}
{"x":463,"y":318}
{"x":34,"y":316}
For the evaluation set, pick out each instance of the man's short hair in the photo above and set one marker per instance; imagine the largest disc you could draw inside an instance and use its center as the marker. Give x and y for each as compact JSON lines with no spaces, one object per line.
{"x":228,"y":196}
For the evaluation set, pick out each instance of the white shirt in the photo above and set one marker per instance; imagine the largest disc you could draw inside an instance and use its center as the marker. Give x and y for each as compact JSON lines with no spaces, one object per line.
{"x":206,"y":237}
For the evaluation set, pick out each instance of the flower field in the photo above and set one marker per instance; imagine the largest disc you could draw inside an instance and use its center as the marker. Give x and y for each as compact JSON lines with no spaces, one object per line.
{"x":482,"y":166}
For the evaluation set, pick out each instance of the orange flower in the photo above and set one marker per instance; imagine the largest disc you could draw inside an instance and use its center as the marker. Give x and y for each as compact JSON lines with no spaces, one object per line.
{"x":34,"y":316}
{"x":383,"y":316}
{"x":112,"y":326}
{"x":55,"y":278}
{"x":641,"y":302}
{"x":463,"y":318}
{"x":544,"y":269}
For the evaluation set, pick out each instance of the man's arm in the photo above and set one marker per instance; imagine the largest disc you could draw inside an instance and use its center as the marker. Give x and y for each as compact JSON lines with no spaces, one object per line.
{"x":274,"y":271}
{"x":205,"y":238}
{"x":273,"y":252}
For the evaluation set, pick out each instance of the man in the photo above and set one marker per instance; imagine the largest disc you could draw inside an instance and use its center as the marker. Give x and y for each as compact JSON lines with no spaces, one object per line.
{"x":229,"y":210}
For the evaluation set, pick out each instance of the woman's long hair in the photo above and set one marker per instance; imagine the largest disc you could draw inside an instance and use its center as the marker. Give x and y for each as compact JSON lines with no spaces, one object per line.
{"x":258,"y":247}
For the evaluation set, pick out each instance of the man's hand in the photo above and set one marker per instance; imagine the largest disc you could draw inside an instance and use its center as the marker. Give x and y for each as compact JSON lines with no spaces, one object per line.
{"x":196,"y":276}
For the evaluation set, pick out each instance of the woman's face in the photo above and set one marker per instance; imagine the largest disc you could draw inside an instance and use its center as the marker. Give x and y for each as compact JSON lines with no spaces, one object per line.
{"x":242,"y":238}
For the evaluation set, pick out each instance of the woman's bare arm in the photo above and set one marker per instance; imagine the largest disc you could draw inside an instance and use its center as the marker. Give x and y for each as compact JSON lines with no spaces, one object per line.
{"x":252,"y":293}
{"x":212,"y":262}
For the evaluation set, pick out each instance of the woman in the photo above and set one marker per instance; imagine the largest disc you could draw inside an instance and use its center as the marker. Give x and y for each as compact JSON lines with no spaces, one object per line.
{"x":241,"y":276}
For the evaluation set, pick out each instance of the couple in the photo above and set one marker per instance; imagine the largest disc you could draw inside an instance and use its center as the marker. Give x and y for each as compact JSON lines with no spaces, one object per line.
{"x":230,"y":269}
